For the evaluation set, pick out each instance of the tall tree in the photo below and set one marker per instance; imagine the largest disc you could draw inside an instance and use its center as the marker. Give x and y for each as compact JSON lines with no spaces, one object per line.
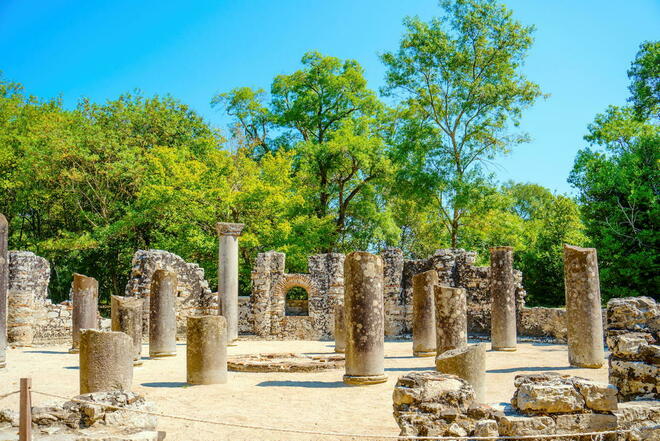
{"x":462,"y":90}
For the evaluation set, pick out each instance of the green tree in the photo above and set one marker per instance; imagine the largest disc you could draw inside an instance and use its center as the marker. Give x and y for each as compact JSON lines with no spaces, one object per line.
{"x":645,"y":84}
{"x":462,"y":91}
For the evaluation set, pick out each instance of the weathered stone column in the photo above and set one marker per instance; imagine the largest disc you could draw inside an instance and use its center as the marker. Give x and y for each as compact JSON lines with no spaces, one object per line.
{"x":4,"y":286}
{"x":126,"y":317}
{"x":85,"y":298}
{"x":162,"y":315}
{"x":106,"y":361}
{"x":340,"y":328}
{"x":468,"y":363}
{"x":503,"y":296}
{"x":450,"y":318}
{"x":423,"y":325}
{"x":228,"y":275}
{"x":206,"y":353}
{"x":583,"y":309}
{"x":364,"y":318}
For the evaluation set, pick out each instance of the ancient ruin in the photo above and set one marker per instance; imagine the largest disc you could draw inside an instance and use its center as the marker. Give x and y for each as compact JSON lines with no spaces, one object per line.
{"x":228,"y":276}
{"x":4,"y":281}
{"x":503,"y":311}
{"x":206,"y":350}
{"x":126,"y":317}
{"x":85,"y":299}
{"x":106,"y":361}
{"x":285,"y":362}
{"x":423,"y":326}
{"x":162,"y":314}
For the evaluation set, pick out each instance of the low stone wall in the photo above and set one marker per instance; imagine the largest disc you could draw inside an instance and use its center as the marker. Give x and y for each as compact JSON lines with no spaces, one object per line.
{"x":545,"y":322}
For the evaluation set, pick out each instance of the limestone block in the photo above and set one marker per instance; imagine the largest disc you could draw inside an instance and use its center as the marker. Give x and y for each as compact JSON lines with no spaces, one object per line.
{"x":600,"y":397}
{"x":548,"y":398}
{"x":634,"y":379}
{"x":486,"y":428}
{"x":632,"y":313}
{"x":586,"y":422}
{"x":510,"y":425}
{"x":628,"y":346}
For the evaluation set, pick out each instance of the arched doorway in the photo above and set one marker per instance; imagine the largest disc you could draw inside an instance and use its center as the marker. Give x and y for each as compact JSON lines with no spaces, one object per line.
{"x":296,"y":302}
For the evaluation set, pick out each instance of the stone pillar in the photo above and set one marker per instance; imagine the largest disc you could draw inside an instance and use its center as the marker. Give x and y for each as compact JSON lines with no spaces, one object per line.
{"x":503,"y":296}
{"x":206,"y":353}
{"x":340,"y":328}
{"x":583,"y":309}
{"x":85,"y":298}
{"x":468,"y":363}
{"x":162,"y":315}
{"x":450,"y":318}
{"x":228,"y":275}
{"x":364,"y":317}
{"x":106,"y":361}
{"x":424,"y":341}
{"x":4,"y":286}
{"x":126,"y":317}
{"x":395,"y":309}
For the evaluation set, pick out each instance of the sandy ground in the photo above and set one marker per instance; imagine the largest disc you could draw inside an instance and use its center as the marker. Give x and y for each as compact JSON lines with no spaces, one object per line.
{"x":308,"y":401}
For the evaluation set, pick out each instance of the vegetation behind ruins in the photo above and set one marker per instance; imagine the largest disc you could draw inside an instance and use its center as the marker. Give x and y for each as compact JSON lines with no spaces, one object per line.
{"x":320,"y":163}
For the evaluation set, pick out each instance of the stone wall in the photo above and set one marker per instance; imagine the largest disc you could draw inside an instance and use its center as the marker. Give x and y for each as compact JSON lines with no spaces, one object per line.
{"x":194,"y":296}
{"x":633,"y":336}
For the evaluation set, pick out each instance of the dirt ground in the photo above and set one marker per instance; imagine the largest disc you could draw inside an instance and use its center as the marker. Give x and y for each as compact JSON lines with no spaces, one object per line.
{"x":307,"y":401}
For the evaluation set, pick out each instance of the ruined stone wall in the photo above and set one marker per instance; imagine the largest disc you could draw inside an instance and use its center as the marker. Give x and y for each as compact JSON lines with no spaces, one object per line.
{"x":194,"y":296}
{"x":633,"y":336}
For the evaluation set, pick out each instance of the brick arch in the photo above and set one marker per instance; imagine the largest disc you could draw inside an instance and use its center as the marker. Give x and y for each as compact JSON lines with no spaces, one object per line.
{"x":289,"y":281}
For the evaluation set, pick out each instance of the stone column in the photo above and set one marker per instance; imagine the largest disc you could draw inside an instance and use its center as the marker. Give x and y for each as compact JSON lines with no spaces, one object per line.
{"x":228,"y":275}
{"x":85,"y":298}
{"x":583,"y":308}
{"x":468,"y":363}
{"x":4,"y":286}
{"x":340,"y":328}
{"x":503,"y":296}
{"x":162,"y":315}
{"x":450,"y":318}
{"x":106,"y":361}
{"x":206,"y":353}
{"x":126,"y":317}
{"x":423,"y":325}
{"x":364,"y":317}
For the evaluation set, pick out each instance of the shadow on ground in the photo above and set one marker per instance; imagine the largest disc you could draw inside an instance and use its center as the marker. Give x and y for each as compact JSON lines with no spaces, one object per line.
{"x":47,"y":352}
{"x":310,"y":384}
{"x":410,"y":369}
{"x":165,"y":384}
{"x":530,"y":369}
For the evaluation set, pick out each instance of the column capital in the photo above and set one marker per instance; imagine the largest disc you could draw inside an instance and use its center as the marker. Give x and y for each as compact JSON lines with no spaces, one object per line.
{"x":229,"y":229}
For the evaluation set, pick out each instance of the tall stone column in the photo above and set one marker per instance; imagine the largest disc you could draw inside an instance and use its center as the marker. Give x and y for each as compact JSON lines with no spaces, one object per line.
{"x":206,"y":353}
{"x":450,"y":318}
{"x":4,"y":286}
{"x":364,"y":316}
{"x":106,"y":361}
{"x":503,"y":296}
{"x":85,"y":297}
{"x":424,"y":341}
{"x":162,"y":315}
{"x":126,"y":317}
{"x":228,"y":275}
{"x":583,"y":309}
{"x":340,"y":328}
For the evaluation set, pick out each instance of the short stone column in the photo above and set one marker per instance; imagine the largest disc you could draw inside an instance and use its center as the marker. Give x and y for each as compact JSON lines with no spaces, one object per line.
{"x":364,"y":318}
{"x":583,"y":309}
{"x":4,"y":286}
{"x":423,"y":325}
{"x":468,"y":363}
{"x":340,"y":328}
{"x":206,"y":353}
{"x":106,"y":361}
{"x":503,"y":332}
{"x":450,"y":318}
{"x":126,"y":317}
{"x":162,"y":314}
{"x":228,"y":275}
{"x":85,"y":298}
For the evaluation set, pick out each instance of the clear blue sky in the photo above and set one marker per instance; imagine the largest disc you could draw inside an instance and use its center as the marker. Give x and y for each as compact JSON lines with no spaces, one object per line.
{"x":193,"y":49}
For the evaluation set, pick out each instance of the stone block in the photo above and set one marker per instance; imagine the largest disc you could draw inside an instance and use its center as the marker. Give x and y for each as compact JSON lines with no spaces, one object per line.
{"x":600,"y":397}
{"x":531,"y":398}
{"x":511,"y":425}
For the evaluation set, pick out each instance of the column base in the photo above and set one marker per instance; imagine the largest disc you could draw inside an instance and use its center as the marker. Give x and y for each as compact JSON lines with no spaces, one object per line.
{"x":137,"y":362}
{"x":162,"y":354}
{"x":424,"y":353}
{"x":340,"y":351}
{"x":506,"y":349}
{"x":3,"y":365}
{"x":360,"y":380}
{"x":74,"y":350}
{"x":588,"y":365}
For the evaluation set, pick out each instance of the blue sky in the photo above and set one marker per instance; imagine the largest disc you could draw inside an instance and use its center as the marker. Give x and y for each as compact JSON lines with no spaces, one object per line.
{"x":194,"y":49}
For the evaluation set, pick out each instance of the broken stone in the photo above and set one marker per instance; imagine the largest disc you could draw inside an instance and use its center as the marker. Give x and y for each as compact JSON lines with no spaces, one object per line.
{"x":525,"y":425}
{"x":597,"y":396}
{"x":547,"y":398}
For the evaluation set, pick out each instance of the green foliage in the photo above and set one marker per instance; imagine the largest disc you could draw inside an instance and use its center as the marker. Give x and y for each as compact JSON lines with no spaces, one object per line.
{"x":645,"y":81}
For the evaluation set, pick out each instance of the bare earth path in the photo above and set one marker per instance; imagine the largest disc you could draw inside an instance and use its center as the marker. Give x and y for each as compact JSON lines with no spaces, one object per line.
{"x":308,"y":401}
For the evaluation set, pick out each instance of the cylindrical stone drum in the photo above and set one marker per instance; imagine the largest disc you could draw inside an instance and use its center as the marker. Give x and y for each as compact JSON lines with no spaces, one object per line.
{"x":106,"y":361}
{"x":126,"y":317}
{"x":364,"y":317}
{"x":423,"y":325}
{"x":206,"y":353}
{"x":468,"y":363}
{"x":4,"y":286}
{"x":583,"y":309}
{"x":340,"y":328}
{"x":503,"y":293}
{"x":162,"y":315}
{"x":85,"y":297}
{"x":450,"y":318}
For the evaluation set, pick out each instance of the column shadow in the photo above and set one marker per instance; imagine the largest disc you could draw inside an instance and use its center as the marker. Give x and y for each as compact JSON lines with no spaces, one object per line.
{"x":309,"y":384}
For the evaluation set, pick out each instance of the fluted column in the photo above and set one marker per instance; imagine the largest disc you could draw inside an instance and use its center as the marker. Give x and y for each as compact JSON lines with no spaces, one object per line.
{"x":583,"y":308}
{"x":162,"y":314}
{"x":228,"y":275}
{"x":503,"y":296}
{"x":4,"y":286}
{"x":85,"y":297}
